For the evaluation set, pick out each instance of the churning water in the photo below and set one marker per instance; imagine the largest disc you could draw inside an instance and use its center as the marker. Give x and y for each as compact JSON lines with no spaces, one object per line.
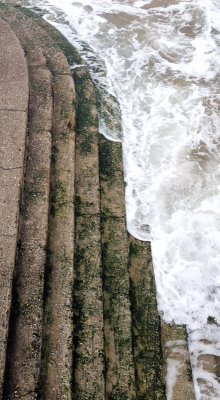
{"x":161,"y":59}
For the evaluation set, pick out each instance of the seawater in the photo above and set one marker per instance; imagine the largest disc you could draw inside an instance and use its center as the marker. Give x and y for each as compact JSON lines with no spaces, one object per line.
{"x":161,"y":60}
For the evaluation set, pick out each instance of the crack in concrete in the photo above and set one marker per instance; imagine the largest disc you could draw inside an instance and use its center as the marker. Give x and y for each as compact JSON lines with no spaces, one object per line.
{"x":9,"y":169}
{"x":13,"y":109}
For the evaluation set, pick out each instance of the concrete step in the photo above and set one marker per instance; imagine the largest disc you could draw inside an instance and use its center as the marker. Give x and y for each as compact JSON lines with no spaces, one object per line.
{"x":177,"y":366}
{"x":204,"y":347}
{"x":88,"y":297}
{"x":145,"y":323}
{"x":56,"y":368}
{"x":120,"y":374}
{"x":13,"y":120}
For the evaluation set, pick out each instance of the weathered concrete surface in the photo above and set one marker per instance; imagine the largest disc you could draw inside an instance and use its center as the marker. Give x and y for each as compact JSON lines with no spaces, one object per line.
{"x":112,"y":178}
{"x":177,"y":367}
{"x":71,"y":54}
{"x":13,"y":78}
{"x":119,"y":363}
{"x":56,"y":375}
{"x":13,"y":117}
{"x":88,"y":315}
{"x":145,"y":323}
{"x":27,"y":30}
{"x":87,"y":165}
{"x":117,"y":314}
{"x":88,"y":297}
{"x":24,"y":350}
{"x":12,"y":139}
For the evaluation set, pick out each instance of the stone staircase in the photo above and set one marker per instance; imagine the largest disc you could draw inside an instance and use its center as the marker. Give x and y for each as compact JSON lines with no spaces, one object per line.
{"x":78,"y":302}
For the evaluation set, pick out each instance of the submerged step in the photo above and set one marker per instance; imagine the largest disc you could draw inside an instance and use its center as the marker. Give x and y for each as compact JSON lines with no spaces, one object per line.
{"x":205,"y":359}
{"x":13,"y":118}
{"x":177,"y":367}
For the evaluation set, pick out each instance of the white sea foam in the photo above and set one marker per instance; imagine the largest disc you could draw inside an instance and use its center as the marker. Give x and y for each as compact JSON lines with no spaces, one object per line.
{"x":173,"y":368}
{"x":205,"y":358}
{"x":161,"y":59}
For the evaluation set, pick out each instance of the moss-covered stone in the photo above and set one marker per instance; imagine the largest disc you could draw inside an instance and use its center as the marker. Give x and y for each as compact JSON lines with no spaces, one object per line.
{"x":88,"y":310}
{"x":111,"y":178}
{"x":87,"y":163}
{"x":117,"y":317}
{"x":145,"y":323}
{"x":56,"y":366}
{"x":71,"y":54}
{"x":109,"y":112}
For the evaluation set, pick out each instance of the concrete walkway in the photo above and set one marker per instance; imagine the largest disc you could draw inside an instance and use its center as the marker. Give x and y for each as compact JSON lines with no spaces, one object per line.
{"x":13,"y":117}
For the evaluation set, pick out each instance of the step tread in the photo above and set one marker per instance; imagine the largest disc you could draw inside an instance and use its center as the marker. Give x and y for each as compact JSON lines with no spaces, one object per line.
{"x":177,"y":361}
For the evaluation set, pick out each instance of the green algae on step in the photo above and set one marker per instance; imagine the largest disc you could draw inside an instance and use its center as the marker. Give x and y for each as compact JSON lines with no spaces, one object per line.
{"x":111,"y":178}
{"x":88,"y":304}
{"x":90,"y":333}
{"x":107,"y":104}
{"x":56,"y":366}
{"x":120,"y":382}
{"x":70,"y":52}
{"x":145,"y":323}
{"x":88,"y":316}
{"x":87,"y":178}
